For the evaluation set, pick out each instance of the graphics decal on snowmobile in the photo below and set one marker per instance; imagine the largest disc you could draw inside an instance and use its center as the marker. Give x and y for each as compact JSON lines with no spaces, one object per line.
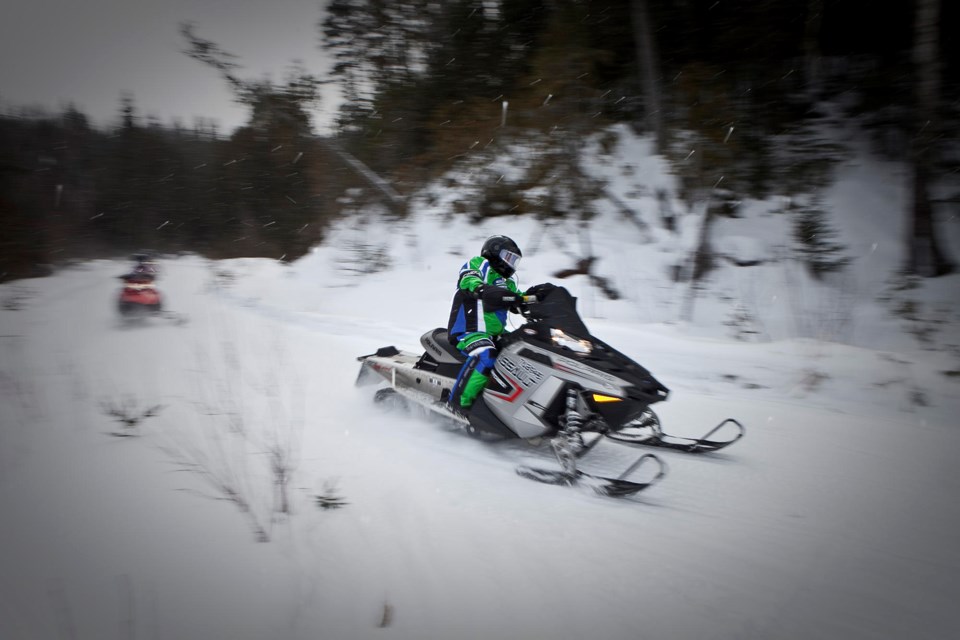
{"x":553,"y":379}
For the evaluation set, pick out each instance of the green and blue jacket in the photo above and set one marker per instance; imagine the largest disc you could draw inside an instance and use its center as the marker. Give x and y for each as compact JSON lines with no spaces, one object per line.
{"x":468,"y":315}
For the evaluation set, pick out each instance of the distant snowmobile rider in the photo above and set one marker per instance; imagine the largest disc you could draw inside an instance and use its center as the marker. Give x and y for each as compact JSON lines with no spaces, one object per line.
{"x":144,"y":270}
{"x":145,"y":264}
{"x":486,"y":291}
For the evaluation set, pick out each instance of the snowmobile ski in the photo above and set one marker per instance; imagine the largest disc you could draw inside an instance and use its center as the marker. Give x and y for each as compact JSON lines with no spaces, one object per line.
{"x":618,"y":487}
{"x":647,"y":433}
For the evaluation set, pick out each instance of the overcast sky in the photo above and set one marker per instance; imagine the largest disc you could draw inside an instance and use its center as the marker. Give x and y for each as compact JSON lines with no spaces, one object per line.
{"x":90,"y":52}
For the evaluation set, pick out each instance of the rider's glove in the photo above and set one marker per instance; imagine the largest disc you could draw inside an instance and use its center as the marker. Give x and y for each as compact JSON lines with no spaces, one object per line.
{"x":497,"y":297}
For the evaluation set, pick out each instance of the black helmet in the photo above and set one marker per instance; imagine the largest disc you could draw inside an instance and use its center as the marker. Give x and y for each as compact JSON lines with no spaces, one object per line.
{"x":503,"y":253}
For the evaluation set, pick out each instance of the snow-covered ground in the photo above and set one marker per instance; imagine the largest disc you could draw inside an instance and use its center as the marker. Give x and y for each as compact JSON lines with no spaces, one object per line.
{"x":835,"y":517}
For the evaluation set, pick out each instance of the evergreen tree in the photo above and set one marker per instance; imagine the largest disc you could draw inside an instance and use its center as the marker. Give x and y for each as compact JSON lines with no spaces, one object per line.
{"x":266,"y":182}
{"x":815,"y":242}
{"x":925,"y":257}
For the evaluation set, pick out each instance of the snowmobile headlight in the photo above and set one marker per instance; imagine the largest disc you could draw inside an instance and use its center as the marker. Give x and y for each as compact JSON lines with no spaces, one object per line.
{"x":577,"y":345}
{"x":599,"y":397}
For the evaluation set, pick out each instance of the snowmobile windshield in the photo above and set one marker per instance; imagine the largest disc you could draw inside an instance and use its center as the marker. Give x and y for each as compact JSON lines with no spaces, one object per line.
{"x":558,"y":310}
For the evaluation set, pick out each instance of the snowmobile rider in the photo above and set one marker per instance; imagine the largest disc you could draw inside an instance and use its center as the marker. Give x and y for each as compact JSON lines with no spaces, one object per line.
{"x":486,"y":291}
{"x":143,"y":272}
{"x":145,"y":264}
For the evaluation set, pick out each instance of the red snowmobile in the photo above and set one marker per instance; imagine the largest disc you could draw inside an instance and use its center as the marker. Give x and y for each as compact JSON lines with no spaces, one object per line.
{"x":139,"y":295}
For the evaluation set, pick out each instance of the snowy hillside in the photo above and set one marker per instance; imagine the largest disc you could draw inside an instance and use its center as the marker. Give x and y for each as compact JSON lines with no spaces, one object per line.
{"x":835,"y":517}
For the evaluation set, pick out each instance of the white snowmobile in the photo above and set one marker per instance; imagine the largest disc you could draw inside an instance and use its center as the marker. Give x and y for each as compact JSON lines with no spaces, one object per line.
{"x":552,"y":379}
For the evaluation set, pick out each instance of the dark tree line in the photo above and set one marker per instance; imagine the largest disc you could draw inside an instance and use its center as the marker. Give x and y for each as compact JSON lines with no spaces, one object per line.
{"x":68,"y":191}
{"x":406,"y":65}
{"x":427,"y":83}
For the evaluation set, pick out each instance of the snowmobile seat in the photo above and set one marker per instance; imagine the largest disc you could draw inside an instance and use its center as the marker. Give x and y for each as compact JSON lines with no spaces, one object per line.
{"x":437,"y":345}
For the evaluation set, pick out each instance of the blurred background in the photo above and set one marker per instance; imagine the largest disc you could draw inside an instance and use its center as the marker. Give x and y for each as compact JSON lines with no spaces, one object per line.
{"x":380,"y":98}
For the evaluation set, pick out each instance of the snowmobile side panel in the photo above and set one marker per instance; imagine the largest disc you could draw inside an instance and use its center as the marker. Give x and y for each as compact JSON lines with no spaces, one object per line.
{"x":483,"y":418}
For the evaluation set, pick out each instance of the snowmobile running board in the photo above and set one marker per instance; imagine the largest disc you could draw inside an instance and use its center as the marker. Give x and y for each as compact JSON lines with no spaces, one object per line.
{"x":618,"y":487}
{"x":657,"y":438}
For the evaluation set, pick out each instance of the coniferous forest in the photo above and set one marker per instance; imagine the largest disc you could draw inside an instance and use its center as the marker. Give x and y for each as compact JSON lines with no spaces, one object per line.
{"x":428,"y":84}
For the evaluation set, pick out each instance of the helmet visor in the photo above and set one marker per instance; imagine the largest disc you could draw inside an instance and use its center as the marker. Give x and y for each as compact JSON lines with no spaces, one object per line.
{"x":510,"y":258}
